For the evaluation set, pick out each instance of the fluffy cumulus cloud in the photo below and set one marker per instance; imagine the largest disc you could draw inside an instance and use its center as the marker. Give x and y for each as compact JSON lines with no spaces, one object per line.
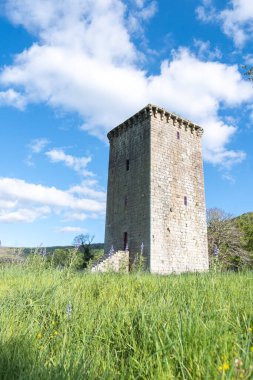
{"x":197,"y":89}
{"x":24,"y":215}
{"x":11,"y":97}
{"x":236,"y":19}
{"x":88,"y":188}
{"x":78,"y":164}
{"x":85,"y":61}
{"x":25,"y":202}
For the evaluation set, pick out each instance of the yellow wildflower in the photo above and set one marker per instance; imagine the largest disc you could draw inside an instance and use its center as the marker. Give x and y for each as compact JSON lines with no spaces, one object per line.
{"x":251,"y":348}
{"x":39,"y":335}
{"x":223,"y":367}
{"x":56,"y":333}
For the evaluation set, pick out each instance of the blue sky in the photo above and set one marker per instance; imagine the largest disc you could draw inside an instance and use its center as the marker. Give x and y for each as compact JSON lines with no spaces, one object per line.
{"x":72,"y":70}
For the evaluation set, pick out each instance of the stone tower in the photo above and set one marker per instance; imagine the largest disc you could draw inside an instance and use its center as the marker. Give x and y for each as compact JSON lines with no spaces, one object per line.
{"x":155,"y":199}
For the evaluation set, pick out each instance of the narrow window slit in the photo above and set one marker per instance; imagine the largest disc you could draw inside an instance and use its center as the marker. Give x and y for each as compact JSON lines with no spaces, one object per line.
{"x":125,"y":241}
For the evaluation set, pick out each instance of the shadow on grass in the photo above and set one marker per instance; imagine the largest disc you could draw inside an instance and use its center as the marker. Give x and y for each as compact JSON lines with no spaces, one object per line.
{"x":19,"y":361}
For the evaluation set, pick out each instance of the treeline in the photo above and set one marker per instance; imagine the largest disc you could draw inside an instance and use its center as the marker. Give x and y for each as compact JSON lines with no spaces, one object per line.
{"x":230,"y":240}
{"x":51,"y":250}
{"x":79,"y":255}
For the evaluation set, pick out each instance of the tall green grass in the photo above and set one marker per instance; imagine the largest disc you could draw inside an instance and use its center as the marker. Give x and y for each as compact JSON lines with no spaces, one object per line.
{"x":64,"y":325}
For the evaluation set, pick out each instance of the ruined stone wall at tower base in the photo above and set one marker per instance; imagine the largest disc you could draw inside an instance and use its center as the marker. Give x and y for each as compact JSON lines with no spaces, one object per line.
{"x":118,"y":262}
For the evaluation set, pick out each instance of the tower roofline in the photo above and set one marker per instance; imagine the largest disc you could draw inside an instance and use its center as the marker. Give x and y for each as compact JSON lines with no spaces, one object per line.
{"x":149,"y":111}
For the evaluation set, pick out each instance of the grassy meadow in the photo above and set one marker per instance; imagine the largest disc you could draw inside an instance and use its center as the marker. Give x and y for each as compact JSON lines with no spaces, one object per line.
{"x":67,"y":325}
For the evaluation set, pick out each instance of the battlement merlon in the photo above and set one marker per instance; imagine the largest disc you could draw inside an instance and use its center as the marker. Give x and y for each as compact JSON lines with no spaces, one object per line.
{"x":153,"y":111}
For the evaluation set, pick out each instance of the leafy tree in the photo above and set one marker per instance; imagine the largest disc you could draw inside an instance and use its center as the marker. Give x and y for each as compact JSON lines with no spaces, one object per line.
{"x":83,"y":244}
{"x":65,"y":257}
{"x":225,"y":236}
{"x":245,"y":224}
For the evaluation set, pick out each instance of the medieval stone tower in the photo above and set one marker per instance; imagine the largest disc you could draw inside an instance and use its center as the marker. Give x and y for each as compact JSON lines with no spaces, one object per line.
{"x":155,"y":199}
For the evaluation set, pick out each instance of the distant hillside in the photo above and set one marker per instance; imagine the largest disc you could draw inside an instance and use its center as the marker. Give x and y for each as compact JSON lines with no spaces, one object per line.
{"x":51,"y":249}
{"x":14,"y":253}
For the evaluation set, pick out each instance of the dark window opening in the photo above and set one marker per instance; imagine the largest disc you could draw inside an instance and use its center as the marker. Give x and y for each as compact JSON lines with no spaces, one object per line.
{"x":127,"y":164}
{"x":125,"y":241}
{"x":185,"y":200}
{"x":126,"y":200}
{"x":178,"y":135}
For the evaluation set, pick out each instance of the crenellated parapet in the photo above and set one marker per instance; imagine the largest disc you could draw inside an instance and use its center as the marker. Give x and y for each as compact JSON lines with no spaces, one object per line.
{"x":158,"y":113}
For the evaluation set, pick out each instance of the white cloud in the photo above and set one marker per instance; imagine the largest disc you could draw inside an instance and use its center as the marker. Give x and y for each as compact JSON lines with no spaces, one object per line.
{"x":4,"y":204}
{"x":248,"y":58}
{"x":29,"y":202}
{"x":85,"y":62}
{"x":37,"y":145}
{"x":139,"y":3}
{"x":78,"y":164}
{"x":24,"y":215}
{"x":138,"y":16}
{"x":75,"y":216}
{"x":145,"y":10}
{"x":205,"y":52}
{"x":95,"y":26}
{"x":71,"y":229}
{"x":87,"y":188}
{"x":197,"y":89}
{"x":236,"y":19}
{"x":149,"y":11}
{"x":206,"y":12}
{"x":13,"y":98}
{"x":228,"y":177}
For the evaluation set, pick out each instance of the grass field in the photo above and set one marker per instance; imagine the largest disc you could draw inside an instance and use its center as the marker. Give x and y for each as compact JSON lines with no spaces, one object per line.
{"x":65,"y":325}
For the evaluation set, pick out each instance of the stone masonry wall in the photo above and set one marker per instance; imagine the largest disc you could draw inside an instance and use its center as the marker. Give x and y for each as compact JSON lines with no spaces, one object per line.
{"x":118,"y":262}
{"x":178,"y":230}
{"x":128,"y":207}
{"x":160,"y":200}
